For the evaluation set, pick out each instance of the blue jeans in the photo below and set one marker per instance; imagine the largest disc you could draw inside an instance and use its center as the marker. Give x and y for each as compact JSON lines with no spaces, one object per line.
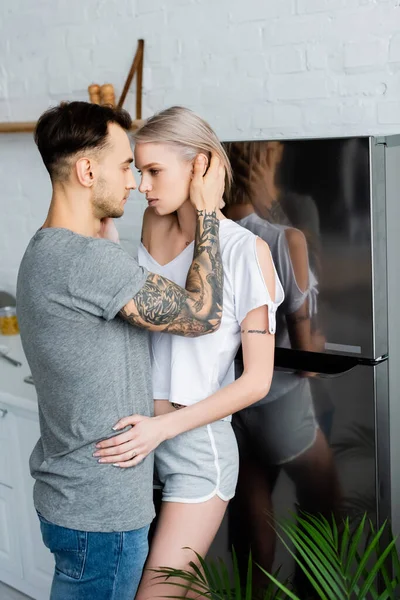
{"x":95,"y":566}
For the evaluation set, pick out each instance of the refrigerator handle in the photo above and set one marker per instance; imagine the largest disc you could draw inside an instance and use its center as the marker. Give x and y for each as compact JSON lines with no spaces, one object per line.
{"x":324,"y":365}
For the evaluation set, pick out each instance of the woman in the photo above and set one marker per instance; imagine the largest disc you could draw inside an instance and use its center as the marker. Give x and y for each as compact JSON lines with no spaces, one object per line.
{"x":193,"y":380}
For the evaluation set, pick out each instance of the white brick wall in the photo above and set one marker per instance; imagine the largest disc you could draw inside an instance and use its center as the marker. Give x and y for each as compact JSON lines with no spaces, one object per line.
{"x":253,"y":68}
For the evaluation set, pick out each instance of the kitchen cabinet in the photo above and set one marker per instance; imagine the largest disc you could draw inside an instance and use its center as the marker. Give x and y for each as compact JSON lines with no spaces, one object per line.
{"x":25,"y":563}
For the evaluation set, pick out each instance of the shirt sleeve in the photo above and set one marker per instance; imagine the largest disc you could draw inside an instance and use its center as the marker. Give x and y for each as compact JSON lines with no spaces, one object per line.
{"x":250,"y":289}
{"x":104,"y":279}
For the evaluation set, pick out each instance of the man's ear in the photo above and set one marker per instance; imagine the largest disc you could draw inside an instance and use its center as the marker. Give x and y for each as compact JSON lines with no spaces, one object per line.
{"x":84,"y":171}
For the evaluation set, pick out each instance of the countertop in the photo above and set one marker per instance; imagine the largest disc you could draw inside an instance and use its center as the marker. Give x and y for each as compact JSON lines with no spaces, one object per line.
{"x":13,"y":389}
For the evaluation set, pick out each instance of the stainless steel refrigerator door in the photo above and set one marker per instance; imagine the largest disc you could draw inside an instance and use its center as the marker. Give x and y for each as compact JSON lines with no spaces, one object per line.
{"x":392,"y":155}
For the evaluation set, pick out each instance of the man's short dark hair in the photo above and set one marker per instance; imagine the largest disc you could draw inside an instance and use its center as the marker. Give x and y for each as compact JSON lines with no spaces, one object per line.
{"x":73,"y":127}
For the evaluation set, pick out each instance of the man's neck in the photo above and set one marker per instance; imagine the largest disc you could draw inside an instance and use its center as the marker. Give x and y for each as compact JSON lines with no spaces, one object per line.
{"x":69,"y":212}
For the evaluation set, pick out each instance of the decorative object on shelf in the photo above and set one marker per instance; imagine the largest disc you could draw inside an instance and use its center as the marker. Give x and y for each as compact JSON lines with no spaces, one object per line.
{"x":107,"y":94}
{"x":94,"y":93}
{"x":8,"y":321}
{"x":103,"y":94}
{"x":100,"y":94}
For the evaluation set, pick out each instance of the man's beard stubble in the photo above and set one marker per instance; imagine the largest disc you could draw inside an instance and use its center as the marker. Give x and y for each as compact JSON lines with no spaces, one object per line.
{"x":105,"y":204}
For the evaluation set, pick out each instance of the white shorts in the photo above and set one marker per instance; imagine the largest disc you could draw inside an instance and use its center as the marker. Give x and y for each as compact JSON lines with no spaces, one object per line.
{"x":199,"y":464}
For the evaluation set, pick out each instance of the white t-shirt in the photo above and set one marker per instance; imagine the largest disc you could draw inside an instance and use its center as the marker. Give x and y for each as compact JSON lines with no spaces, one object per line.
{"x":187,"y":370}
{"x":274,"y":235}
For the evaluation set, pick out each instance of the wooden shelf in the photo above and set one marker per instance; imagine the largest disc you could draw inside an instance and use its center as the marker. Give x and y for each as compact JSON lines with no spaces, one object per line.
{"x":17,"y":127}
{"x":29,"y":127}
{"x":136,"y":68}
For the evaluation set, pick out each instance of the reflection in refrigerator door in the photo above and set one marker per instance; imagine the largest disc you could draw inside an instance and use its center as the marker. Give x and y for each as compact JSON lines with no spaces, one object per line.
{"x":320,"y":440}
{"x":349,"y":485}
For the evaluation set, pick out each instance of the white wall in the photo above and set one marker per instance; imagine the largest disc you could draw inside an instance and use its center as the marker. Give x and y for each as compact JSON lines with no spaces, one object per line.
{"x":253,"y":68}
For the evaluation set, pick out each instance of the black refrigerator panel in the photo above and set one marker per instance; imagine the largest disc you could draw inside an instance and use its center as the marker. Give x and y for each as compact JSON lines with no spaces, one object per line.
{"x":333,"y":191}
{"x":345,"y":472}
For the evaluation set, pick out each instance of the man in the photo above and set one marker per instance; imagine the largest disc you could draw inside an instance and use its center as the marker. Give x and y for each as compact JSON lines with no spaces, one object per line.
{"x":84,"y":308}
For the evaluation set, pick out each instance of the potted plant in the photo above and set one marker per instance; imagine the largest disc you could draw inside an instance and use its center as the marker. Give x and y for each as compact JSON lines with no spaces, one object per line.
{"x":346,"y":563}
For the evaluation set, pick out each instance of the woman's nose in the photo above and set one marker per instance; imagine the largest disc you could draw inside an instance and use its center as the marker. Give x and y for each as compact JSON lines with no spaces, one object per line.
{"x":144,"y":186}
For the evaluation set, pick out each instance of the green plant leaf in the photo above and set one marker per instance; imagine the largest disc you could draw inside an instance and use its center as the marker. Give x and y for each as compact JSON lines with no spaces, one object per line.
{"x":344,"y":545}
{"x":321,"y":536}
{"x":202,"y":569}
{"x":375,"y":569}
{"x":372,"y":591}
{"x":312,"y":534}
{"x":218,"y":580}
{"x":325,"y":573}
{"x":366,"y":555}
{"x":236,"y":575}
{"x":390,"y":582}
{"x":280,"y":585}
{"x":195,"y":581}
{"x":249,"y":579}
{"x":396,"y":563}
{"x":335,"y":535}
{"x":354,"y":541}
{"x":309,"y":572}
{"x":321,"y":523}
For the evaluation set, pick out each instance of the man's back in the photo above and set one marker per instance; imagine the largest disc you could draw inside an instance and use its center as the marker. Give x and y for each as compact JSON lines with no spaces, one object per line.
{"x":90,"y":369}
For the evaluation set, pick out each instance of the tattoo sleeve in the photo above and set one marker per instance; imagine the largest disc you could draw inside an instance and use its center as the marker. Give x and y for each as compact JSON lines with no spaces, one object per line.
{"x":161,"y":305}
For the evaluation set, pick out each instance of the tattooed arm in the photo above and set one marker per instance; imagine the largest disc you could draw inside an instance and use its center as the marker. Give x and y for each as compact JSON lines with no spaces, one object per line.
{"x":161,"y":305}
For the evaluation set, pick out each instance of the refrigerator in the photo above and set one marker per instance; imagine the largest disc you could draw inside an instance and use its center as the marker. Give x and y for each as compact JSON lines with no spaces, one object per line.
{"x":343,"y":195}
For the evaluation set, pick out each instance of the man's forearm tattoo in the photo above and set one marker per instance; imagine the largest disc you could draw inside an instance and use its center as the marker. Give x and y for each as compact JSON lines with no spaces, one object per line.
{"x":205,"y":277}
{"x":196,"y":309}
{"x":159,"y":301}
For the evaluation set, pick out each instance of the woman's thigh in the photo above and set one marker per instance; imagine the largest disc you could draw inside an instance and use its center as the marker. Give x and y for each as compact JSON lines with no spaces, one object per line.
{"x":182,"y":530}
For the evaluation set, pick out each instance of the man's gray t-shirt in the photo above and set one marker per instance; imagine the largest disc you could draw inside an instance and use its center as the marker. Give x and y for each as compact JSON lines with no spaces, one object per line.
{"x":90,"y":368}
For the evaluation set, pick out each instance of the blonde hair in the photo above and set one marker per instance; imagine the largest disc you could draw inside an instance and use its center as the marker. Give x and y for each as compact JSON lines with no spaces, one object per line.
{"x":186,"y":131}
{"x":244,"y":157}
{"x":241,"y":156}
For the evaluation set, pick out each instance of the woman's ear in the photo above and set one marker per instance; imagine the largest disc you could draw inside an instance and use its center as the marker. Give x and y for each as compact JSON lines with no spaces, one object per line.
{"x":206,"y":162}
